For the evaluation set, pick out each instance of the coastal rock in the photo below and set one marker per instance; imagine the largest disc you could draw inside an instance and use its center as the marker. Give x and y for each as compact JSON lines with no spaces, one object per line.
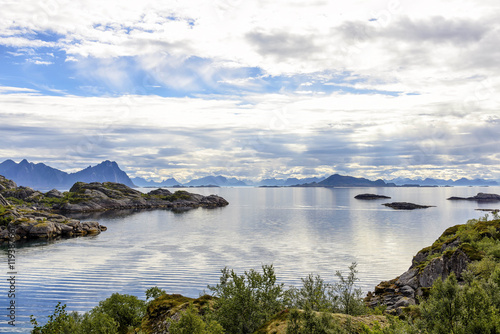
{"x":54,"y":193}
{"x":6,"y":183}
{"x":447,"y":255}
{"x":90,"y":197}
{"x":480,"y":197}
{"x":406,"y":206}
{"x":370,"y":196}
{"x":3,"y":201}
{"x":160,"y":192}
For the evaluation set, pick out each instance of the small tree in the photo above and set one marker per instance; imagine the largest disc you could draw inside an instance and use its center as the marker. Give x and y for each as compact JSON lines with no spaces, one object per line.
{"x":59,"y":323}
{"x":344,"y":292}
{"x":191,"y":322}
{"x":313,"y":295}
{"x":126,"y":310}
{"x":246,"y":301}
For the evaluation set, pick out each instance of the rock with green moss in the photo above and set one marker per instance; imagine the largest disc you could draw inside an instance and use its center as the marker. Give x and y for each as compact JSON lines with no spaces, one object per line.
{"x":6,"y":183}
{"x":3,"y":201}
{"x":166,"y":308}
{"x":453,"y":252}
{"x":89,"y":197}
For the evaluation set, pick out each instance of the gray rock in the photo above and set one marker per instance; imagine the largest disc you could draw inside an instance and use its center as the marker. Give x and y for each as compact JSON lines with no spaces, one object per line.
{"x":160,"y":192}
{"x":54,"y":193}
{"x":407,"y":291}
{"x":3,"y":201}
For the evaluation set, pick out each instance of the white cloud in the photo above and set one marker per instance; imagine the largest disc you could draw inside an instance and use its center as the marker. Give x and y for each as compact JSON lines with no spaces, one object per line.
{"x":445,"y":52}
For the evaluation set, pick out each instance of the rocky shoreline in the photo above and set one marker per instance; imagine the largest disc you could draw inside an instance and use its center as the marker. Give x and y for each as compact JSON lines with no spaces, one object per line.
{"x":30,"y":214}
{"x":448,"y":254}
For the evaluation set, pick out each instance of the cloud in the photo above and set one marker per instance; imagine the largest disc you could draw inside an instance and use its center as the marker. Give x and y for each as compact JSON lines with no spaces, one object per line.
{"x":254,"y":88}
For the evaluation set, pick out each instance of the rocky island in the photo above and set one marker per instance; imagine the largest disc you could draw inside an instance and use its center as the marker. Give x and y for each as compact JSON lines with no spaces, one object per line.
{"x":371,"y":196}
{"x":29,"y":214}
{"x":480,"y":197}
{"x":406,"y":206}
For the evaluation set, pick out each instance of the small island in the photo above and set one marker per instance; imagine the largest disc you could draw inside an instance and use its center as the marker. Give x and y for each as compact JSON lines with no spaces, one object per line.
{"x":371,"y":196}
{"x":406,"y":206}
{"x":480,"y":197}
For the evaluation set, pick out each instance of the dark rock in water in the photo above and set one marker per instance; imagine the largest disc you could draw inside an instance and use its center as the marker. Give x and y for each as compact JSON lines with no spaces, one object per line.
{"x":34,"y":224}
{"x":480,"y":197}
{"x":406,"y":206}
{"x":370,"y":196}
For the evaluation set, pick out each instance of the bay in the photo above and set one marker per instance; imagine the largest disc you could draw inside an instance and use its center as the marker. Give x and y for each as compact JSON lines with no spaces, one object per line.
{"x":298,"y":230}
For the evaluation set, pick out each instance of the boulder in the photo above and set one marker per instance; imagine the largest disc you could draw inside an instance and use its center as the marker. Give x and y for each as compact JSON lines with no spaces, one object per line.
{"x":54,"y":193}
{"x":160,"y":192}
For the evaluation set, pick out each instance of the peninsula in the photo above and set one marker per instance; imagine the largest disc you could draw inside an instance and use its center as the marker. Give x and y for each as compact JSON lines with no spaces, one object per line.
{"x":29,"y":214}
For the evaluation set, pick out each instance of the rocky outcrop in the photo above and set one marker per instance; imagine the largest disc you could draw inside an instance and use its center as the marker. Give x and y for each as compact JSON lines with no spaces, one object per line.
{"x":370,"y":196}
{"x":406,"y":206}
{"x":167,"y":307}
{"x":480,"y":197}
{"x":31,"y":224}
{"x":32,"y":214}
{"x":3,"y":201}
{"x":449,"y":254}
{"x":6,"y":183}
{"x":88,"y":197}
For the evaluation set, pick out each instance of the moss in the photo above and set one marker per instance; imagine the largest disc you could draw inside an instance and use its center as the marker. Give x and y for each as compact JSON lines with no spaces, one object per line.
{"x":177,"y":196}
{"x":14,"y":200}
{"x":472,"y":252}
{"x":166,"y":306}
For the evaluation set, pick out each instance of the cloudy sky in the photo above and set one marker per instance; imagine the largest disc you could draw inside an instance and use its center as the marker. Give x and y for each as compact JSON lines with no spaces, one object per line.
{"x":253,"y":89}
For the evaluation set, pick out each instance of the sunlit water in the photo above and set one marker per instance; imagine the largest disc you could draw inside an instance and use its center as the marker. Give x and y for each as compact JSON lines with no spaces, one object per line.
{"x":298,"y":230}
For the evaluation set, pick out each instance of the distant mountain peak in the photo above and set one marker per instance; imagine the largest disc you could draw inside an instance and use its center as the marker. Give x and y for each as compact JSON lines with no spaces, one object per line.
{"x":41,"y":176}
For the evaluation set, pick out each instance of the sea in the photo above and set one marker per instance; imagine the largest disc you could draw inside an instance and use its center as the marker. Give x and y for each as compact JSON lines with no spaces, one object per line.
{"x":297,"y":230}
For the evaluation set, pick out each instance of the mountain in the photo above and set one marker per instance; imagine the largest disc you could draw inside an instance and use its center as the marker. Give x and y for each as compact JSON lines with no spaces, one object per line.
{"x":442,"y":182}
{"x":289,"y":182}
{"x":142,"y":182}
{"x":41,"y":176}
{"x":33,"y":175}
{"x":106,"y":171}
{"x":337,"y":180}
{"x":220,"y":181}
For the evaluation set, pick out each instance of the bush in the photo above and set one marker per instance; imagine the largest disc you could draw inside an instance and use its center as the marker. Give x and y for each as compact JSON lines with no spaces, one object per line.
{"x":126,"y":310}
{"x":59,"y":323}
{"x":246,"y":301}
{"x":191,"y":322}
{"x":313,"y":295}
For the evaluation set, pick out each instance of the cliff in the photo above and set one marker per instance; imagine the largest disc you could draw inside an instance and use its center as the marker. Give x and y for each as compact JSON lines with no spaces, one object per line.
{"x":456,"y":250}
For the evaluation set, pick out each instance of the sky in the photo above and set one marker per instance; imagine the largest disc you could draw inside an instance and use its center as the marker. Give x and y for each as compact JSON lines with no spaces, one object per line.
{"x":253,"y":89}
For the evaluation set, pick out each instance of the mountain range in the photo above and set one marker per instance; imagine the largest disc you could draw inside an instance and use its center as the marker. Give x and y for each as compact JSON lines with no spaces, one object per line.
{"x":440,"y":182}
{"x":41,"y":176}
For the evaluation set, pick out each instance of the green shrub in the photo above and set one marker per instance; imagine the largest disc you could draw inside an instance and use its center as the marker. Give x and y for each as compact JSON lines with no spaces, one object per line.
{"x":247,"y":301}
{"x":191,"y":322}
{"x":126,"y":310}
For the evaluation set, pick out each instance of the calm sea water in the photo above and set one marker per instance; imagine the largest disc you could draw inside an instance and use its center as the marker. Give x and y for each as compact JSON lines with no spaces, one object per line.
{"x":298,"y":230}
